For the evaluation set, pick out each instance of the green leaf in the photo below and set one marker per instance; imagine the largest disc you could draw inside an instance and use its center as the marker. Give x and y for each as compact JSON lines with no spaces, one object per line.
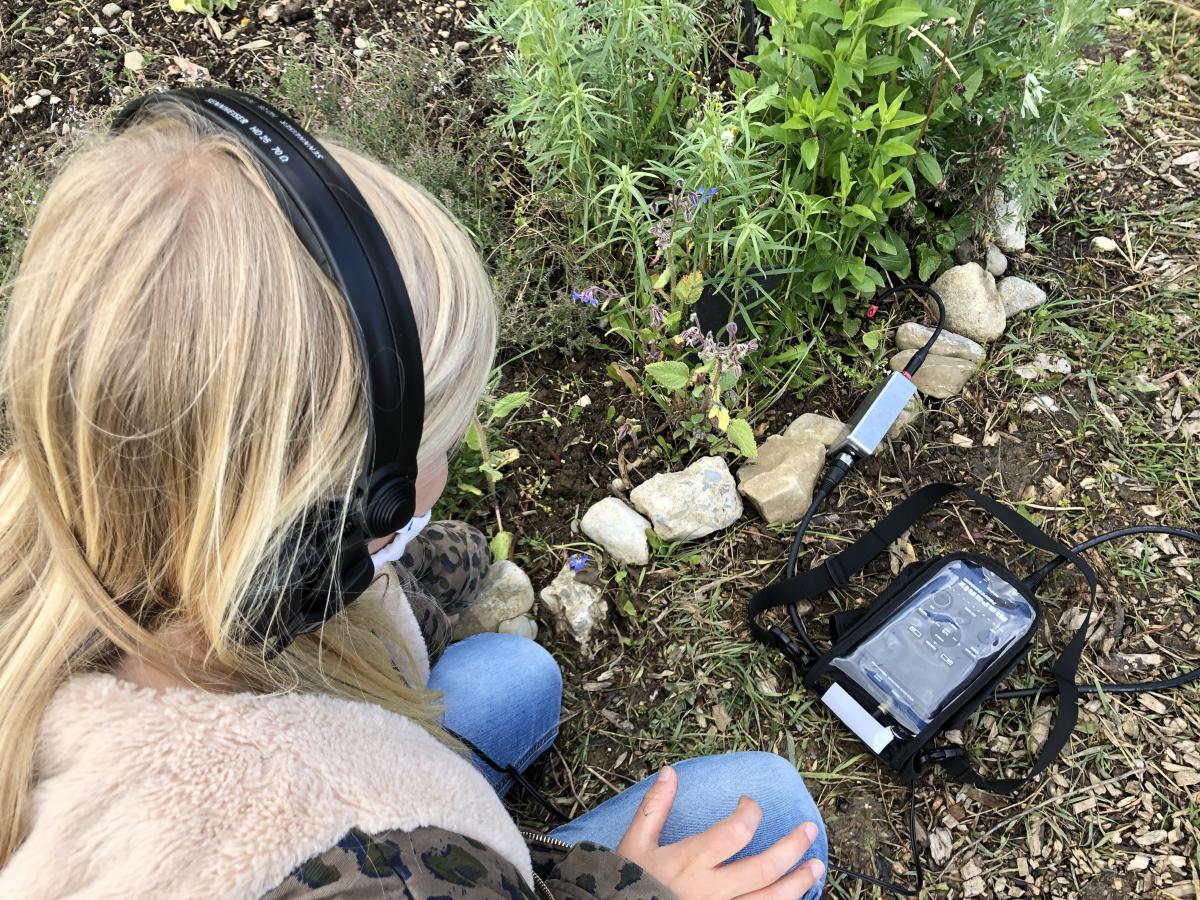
{"x":905,"y":120}
{"x":741,"y":435}
{"x":470,"y":489}
{"x":662,"y":280}
{"x":501,"y":545}
{"x":742,"y":81}
{"x":881,"y":65}
{"x":903,"y":14}
{"x":508,"y":404}
{"x":928,"y":259}
{"x":897,"y":147}
{"x":822,"y":282}
{"x":825,"y":8}
{"x":808,"y":152}
{"x":689,"y":288}
{"x":474,"y":438}
{"x":971,"y":83}
{"x":929,"y":168}
{"x":673,"y":376}
{"x":862,"y":211}
{"x":763,"y":100}
{"x":872,"y":339}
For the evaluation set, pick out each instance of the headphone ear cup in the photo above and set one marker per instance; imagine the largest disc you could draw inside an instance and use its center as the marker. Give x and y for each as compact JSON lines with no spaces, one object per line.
{"x":322,"y":567}
{"x":391,"y":502}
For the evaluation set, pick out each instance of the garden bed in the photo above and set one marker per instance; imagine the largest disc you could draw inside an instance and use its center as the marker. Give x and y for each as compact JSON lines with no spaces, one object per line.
{"x":676,"y":674}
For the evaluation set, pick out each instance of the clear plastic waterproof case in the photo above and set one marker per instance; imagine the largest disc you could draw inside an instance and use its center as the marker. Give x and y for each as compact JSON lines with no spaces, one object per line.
{"x":958,"y":621}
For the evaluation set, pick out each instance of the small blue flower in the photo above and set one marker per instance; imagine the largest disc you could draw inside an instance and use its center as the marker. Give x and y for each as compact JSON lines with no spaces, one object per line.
{"x":588,"y":296}
{"x":695,"y":200}
{"x":578,"y":562}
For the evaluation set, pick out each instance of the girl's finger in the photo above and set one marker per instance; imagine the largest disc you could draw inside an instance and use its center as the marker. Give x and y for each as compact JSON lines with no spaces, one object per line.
{"x":651,"y":814}
{"x":797,"y":884}
{"x":726,"y":837}
{"x":766,"y":868}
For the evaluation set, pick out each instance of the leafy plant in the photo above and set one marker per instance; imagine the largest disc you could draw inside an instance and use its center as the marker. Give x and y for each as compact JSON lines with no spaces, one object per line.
{"x":203,"y":7}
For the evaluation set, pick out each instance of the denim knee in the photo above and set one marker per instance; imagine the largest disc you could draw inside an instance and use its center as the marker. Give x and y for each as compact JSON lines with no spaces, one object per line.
{"x":775,"y":785}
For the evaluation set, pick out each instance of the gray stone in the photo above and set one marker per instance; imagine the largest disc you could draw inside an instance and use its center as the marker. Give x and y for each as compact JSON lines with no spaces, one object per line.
{"x":691,"y":504}
{"x":1008,"y":224}
{"x":973,"y":307}
{"x":913,"y":410}
{"x":1018,"y":295}
{"x":780,"y":481}
{"x":939,"y":376}
{"x":619,"y":530}
{"x":505,"y":594}
{"x":1102,"y":244}
{"x":824,"y":429}
{"x":577,"y":607}
{"x":912,"y":336}
{"x":965,"y":251}
{"x":111,"y":10}
{"x":523,"y":626}
{"x":997,"y":262}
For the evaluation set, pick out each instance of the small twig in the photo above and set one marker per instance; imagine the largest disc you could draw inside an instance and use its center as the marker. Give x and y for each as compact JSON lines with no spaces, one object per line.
{"x":945,"y":58}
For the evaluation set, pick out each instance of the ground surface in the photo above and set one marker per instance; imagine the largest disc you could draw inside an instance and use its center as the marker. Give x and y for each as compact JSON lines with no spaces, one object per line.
{"x":676,"y":676}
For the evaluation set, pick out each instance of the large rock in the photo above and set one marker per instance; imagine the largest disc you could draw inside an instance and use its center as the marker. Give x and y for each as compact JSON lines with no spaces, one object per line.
{"x":909,"y":416}
{"x":824,"y":429}
{"x":506,"y":594}
{"x":576,"y":606}
{"x":912,"y":336}
{"x":1008,"y":224}
{"x":939,"y":376}
{"x":524,"y":626}
{"x":997,"y":262}
{"x":691,"y":504}
{"x":973,"y":305}
{"x":1018,"y":295}
{"x":780,"y":481}
{"x":619,"y":530}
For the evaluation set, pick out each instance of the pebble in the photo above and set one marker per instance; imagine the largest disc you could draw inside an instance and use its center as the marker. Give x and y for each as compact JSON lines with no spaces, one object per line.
{"x":43,"y":92}
{"x":1018,"y":295}
{"x":98,"y":31}
{"x":32,"y":100}
{"x":619,"y":530}
{"x":441,"y":10}
{"x":461,"y":47}
{"x":111,"y":10}
{"x":1125,"y":12}
{"x":16,"y":110}
{"x":824,"y":429}
{"x":506,"y":593}
{"x":1191,"y":158}
{"x":576,"y":606}
{"x":443,"y":34}
{"x":361,"y":42}
{"x":997,"y":262}
{"x":522,"y":626}
{"x":973,"y":307}
{"x":691,"y":504}
{"x":913,"y":335}
{"x":134,"y":61}
{"x":460,"y":4}
{"x":939,"y":376}
{"x":1009,"y":226}
{"x":54,"y":101}
{"x":779,"y":482}
{"x":1102,"y":244}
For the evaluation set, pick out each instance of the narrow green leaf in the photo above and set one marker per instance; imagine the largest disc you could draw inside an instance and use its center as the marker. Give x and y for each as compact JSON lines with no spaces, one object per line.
{"x":899,"y":15}
{"x":808,"y":152}
{"x":929,"y":168}
{"x":897,"y":147}
{"x":862,"y":211}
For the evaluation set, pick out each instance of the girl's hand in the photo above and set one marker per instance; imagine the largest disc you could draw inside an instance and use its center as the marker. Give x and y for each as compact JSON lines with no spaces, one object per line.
{"x":695,"y":868}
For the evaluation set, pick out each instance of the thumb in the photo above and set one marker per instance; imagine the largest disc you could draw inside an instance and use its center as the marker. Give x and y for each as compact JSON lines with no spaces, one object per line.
{"x":643,"y":832}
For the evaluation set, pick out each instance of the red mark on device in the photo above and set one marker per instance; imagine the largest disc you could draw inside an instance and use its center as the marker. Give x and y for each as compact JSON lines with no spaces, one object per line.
{"x":871,"y":310}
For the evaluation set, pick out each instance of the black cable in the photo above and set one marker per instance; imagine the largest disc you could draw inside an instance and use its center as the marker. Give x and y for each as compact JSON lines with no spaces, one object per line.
{"x":916,"y":855}
{"x":516,"y":775}
{"x":919,"y":357}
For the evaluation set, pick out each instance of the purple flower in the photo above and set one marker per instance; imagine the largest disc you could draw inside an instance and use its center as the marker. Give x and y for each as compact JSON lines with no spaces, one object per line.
{"x":587,"y":295}
{"x":657,"y":316}
{"x":578,"y":562}
{"x":693,"y":200}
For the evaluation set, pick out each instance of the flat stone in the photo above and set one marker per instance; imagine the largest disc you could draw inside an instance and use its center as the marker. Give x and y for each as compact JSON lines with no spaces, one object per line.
{"x":619,"y":530}
{"x":1102,"y":244}
{"x":691,"y":504}
{"x":939,"y":376}
{"x":111,"y":10}
{"x":824,"y":429}
{"x":1008,"y":224}
{"x":1191,"y":158}
{"x":913,"y":410}
{"x":1018,"y":295}
{"x":779,"y":482}
{"x":505,"y":594}
{"x":973,"y":307}
{"x":577,"y":607}
{"x":523,"y":626}
{"x":997,"y":262}
{"x":913,"y":335}
{"x":134,"y":61}
{"x":463,"y":47}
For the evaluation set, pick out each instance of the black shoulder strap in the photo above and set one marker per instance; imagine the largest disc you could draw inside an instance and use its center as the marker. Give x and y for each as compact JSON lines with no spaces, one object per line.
{"x":836,"y":570}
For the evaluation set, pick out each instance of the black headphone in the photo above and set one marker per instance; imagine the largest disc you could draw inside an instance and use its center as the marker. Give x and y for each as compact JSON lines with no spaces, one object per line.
{"x":325,"y":563}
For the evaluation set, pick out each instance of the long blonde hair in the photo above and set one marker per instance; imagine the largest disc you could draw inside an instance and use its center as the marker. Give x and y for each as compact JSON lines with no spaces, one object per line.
{"x":181,"y":384}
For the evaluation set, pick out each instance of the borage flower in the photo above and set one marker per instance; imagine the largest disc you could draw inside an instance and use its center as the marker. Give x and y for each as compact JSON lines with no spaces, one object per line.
{"x":578,"y":562}
{"x":591,"y":296}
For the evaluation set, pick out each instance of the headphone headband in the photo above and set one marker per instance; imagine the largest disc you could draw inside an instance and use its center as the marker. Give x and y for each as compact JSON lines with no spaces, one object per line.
{"x":336,"y":226}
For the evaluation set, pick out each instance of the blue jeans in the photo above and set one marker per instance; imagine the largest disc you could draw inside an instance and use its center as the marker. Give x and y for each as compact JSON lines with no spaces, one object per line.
{"x":503,"y":694}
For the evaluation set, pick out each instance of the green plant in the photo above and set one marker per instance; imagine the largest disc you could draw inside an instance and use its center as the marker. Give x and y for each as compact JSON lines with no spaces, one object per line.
{"x":203,"y":7}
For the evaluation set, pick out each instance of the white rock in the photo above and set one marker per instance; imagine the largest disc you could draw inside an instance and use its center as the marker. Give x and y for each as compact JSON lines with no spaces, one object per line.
{"x":1102,"y":244}
{"x":1191,"y":158}
{"x":1018,"y":295}
{"x":505,"y":594}
{"x":576,"y":606}
{"x":691,"y":504}
{"x":43,"y":92}
{"x":997,"y":262}
{"x":111,"y":10}
{"x":1008,"y":223}
{"x":823,"y":429}
{"x":780,"y":481}
{"x":1125,"y":12}
{"x":361,"y":42}
{"x":524,"y":626}
{"x":619,"y":530}
{"x":16,"y":110}
{"x":32,"y":100}
{"x":909,"y":416}
{"x":973,"y":307}
{"x":939,"y":376}
{"x":54,"y":101}
{"x":1042,"y":403}
{"x":461,"y":47}
{"x":99,"y":31}
{"x":134,"y":61}
{"x":912,"y":336}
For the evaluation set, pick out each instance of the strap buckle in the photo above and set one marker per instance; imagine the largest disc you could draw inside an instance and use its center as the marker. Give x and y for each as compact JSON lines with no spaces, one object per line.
{"x":938,"y":755}
{"x":790,"y":649}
